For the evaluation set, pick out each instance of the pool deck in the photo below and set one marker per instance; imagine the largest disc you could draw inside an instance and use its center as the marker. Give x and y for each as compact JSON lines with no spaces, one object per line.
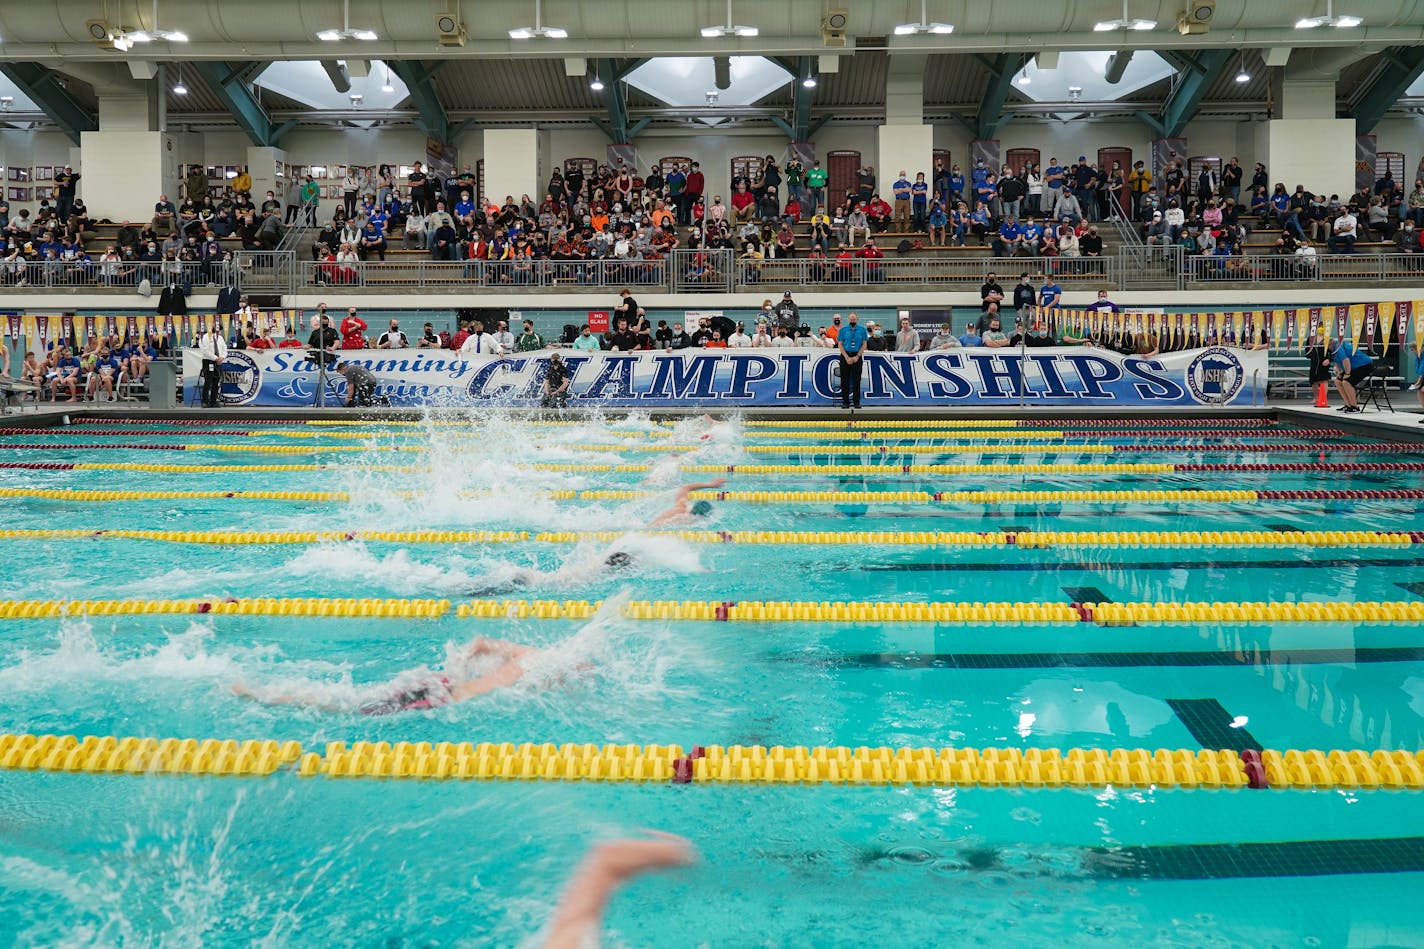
{"x":1406,"y":423}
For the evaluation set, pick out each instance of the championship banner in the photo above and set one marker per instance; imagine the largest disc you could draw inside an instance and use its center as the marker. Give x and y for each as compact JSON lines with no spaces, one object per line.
{"x":1371,"y":314}
{"x":89,"y":326}
{"x":42,"y":326}
{"x":1342,"y":323}
{"x":152,"y":329}
{"x":1067,"y":375}
{"x":168,"y":330}
{"x":1292,"y":317}
{"x":111,"y":325}
{"x":15,"y":324}
{"x":1385,"y":313}
{"x":1401,"y":322}
{"x":66,"y":329}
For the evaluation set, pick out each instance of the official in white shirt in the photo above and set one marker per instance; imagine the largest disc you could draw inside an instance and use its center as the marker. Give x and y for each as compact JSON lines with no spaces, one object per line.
{"x":479,"y":342}
{"x":212,"y":348}
{"x":393,"y":338}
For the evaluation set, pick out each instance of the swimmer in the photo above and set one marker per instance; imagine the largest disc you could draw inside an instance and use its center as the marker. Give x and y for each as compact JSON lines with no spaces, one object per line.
{"x":578,"y":919}
{"x":682,"y":509}
{"x":435,"y":690}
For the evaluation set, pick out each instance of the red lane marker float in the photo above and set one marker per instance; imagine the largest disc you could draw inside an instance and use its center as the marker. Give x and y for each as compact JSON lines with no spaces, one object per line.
{"x":40,"y":466}
{"x":50,"y":446}
{"x":1343,"y":494}
{"x":1390,"y":448}
{"x":1338,"y":467}
{"x":1139,"y":424}
{"x":115,"y":431}
{"x":1255,"y":770}
{"x":99,"y":419}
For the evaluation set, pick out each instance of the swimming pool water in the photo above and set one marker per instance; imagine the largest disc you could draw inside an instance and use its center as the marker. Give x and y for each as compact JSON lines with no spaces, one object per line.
{"x":115,"y":860}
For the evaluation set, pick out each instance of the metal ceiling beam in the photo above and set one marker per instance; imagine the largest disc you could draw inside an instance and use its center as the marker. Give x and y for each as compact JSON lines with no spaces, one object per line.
{"x":340,"y":76}
{"x":1001,"y":80}
{"x":1397,"y":73}
{"x":799,"y":128}
{"x":617,"y":127}
{"x":417,"y":76}
{"x":1182,"y":103}
{"x":227,"y":84}
{"x":42,"y":86}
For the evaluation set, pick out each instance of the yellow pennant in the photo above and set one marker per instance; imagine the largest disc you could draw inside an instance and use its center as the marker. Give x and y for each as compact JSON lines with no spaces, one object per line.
{"x":1385,"y":324}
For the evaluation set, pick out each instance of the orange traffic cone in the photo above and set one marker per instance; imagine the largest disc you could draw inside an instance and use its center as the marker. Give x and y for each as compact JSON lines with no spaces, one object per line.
{"x":1321,"y":401}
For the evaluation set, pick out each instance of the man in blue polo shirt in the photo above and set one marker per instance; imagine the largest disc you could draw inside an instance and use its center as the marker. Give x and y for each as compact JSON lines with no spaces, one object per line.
{"x":1352,"y":367}
{"x":1053,"y":187}
{"x":1050,"y":293}
{"x":850,"y":342}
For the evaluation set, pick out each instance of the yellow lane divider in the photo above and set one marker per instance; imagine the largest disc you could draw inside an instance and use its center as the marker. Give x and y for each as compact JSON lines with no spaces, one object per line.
{"x":625,"y":494}
{"x":1102,"y":614}
{"x":474,"y":433}
{"x":232,"y":469}
{"x":312,"y":606}
{"x":109,"y":755}
{"x":78,"y":494}
{"x":883,"y":469}
{"x":1067,"y":540}
{"x":1303,"y":769}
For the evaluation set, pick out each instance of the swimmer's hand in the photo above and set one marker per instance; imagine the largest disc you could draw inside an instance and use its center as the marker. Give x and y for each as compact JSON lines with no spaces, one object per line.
{"x":242,"y":690}
{"x":607,"y":866}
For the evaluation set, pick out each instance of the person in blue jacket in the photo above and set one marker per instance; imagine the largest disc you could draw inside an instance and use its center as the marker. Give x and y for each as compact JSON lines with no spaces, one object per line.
{"x":850,"y":341}
{"x":1351,"y":368}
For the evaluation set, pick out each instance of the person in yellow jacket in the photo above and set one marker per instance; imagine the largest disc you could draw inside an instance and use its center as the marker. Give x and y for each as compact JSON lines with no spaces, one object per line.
{"x":1139,"y":182}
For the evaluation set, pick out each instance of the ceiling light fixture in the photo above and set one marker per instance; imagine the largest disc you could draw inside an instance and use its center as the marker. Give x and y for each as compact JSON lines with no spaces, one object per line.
{"x":386,"y":86}
{"x":809,"y":82}
{"x":149,"y":35}
{"x":346,"y":33}
{"x":1024,"y":78}
{"x":538,"y":31}
{"x":1126,"y":23}
{"x":730,"y":29}
{"x":120,"y":41}
{"x":924,"y":26}
{"x":178,"y":88}
{"x":356,"y":100}
{"x":1343,"y":22}
{"x":1243,"y":75}
{"x":596,"y":84}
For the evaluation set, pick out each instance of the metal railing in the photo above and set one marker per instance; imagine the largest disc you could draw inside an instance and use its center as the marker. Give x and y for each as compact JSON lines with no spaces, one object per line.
{"x":921,"y":270}
{"x":486,"y":274}
{"x":259,"y":270}
{"x":1316,"y":268}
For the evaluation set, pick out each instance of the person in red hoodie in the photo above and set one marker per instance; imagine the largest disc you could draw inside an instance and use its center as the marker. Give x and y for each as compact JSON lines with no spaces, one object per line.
{"x":353,"y":331}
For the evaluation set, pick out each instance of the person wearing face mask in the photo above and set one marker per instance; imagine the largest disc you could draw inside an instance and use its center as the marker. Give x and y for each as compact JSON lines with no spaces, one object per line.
{"x":850,"y":342}
{"x":393,"y":338}
{"x":1407,"y":241}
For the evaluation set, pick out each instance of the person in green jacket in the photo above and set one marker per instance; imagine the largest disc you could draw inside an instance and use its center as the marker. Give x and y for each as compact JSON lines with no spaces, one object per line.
{"x":311,"y":195}
{"x":529,"y":340}
{"x":816,"y":184}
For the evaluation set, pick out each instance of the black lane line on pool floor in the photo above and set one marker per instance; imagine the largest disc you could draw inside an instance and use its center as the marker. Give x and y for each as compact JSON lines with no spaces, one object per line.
{"x":1113,"y":660}
{"x":1086,"y":595}
{"x":1159,"y":565}
{"x":1283,"y":858}
{"x":1210,"y":724}
{"x":1416,"y":588}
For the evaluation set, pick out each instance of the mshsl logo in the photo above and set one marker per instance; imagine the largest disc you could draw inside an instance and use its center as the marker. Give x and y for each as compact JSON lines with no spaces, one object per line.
{"x":240,"y":378}
{"x":1215,"y":376}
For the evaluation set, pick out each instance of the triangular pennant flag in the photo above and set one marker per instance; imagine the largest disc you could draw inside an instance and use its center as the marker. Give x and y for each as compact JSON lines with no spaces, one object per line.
{"x":1371,"y":315}
{"x":1386,"y":324}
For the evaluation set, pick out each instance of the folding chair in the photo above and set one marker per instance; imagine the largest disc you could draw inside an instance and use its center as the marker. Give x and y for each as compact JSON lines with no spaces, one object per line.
{"x":1374,"y":387}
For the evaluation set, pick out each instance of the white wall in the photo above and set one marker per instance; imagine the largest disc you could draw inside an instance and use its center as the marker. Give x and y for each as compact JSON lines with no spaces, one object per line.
{"x":514,"y":164}
{"x":31,"y":149}
{"x":123,"y":174}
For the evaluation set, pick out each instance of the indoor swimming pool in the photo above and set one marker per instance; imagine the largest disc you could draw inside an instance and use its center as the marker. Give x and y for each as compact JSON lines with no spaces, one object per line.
{"x":1214,"y":604}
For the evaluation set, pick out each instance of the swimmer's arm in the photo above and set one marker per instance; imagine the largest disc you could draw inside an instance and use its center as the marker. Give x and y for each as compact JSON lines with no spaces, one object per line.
{"x":686,"y":490}
{"x":607,"y":867}
{"x":505,"y":676}
{"x":243,"y":691}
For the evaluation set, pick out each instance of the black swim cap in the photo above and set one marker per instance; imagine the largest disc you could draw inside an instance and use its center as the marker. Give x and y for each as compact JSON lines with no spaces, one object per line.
{"x":618,"y":559}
